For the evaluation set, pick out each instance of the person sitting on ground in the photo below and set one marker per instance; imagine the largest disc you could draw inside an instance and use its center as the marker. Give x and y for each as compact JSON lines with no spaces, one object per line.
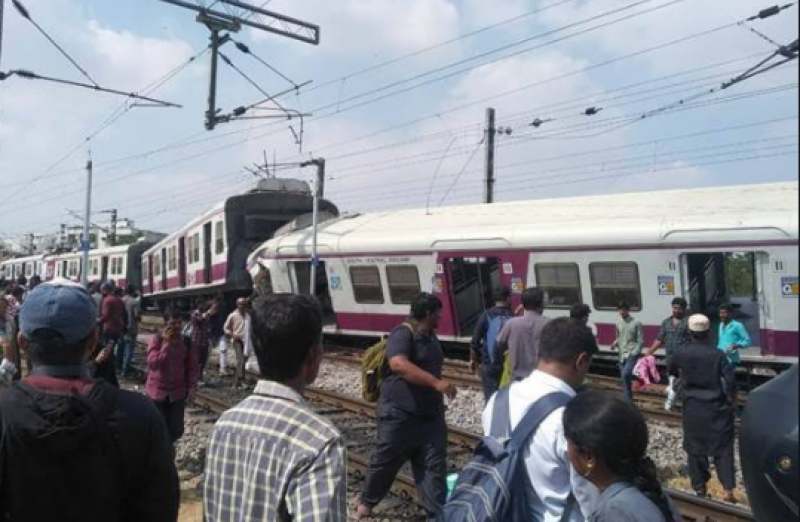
{"x":75,"y":448}
{"x":608,"y":441}
{"x":272,"y":458}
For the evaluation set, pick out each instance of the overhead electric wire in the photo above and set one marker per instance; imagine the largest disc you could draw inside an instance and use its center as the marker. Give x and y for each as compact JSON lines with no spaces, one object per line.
{"x":23,"y":11}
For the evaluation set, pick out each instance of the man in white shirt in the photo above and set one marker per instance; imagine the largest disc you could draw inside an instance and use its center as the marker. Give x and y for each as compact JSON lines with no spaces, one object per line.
{"x":566,"y":353}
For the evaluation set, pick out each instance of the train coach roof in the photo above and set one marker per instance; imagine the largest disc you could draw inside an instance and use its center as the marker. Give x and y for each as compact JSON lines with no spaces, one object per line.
{"x":763,"y":213}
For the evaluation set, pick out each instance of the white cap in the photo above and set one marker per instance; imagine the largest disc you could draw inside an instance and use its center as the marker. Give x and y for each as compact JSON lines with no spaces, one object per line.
{"x":699,"y":323}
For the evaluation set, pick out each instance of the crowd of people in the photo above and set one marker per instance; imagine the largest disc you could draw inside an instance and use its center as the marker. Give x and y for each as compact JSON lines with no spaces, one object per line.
{"x":273,"y":458}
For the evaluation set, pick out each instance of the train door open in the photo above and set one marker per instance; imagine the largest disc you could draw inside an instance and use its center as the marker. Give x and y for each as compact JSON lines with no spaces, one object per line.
{"x":714,"y":279}
{"x":207,"y":260}
{"x":474,"y":281}
{"x":301,"y":283}
{"x":150,"y":279}
{"x":65,"y":269}
{"x":182,"y":261}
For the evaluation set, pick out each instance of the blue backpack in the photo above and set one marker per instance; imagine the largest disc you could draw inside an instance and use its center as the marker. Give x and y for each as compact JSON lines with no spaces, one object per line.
{"x":495,"y":486}
{"x":496,"y":325}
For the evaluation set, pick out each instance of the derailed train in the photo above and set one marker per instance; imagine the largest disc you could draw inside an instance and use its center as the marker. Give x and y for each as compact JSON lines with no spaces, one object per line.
{"x":735,"y":244}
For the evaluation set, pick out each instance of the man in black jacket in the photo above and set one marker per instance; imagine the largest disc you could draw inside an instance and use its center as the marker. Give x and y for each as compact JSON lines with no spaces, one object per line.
{"x":709,"y":408}
{"x":93,"y":452}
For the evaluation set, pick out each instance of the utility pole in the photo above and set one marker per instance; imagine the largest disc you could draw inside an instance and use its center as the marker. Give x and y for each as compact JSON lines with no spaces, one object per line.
{"x":2,"y":6}
{"x":86,"y":243}
{"x":319,"y":193}
{"x":491,"y":142}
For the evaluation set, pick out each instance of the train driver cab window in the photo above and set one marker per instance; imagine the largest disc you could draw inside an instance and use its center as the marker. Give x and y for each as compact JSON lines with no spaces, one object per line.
{"x":367,"y":286}
{"x":613,"y":283}
{"x":404,"y":284}
{"x":561,"y":284}
{"x":219,"y":237}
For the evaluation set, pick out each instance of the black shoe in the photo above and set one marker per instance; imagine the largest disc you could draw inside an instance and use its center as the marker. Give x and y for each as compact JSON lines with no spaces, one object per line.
{"x":702,"y":494}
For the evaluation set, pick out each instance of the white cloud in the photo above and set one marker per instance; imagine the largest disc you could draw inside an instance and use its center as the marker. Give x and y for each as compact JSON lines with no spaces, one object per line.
{"x":128,"y":60}
{"x":375,"y":27}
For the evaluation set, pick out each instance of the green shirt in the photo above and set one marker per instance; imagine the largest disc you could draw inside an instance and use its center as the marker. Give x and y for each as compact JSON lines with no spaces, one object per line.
{"x":630,"y":338}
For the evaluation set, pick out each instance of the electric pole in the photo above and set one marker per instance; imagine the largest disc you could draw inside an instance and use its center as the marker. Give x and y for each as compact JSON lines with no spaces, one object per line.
{"x":2,"y":5}
{"x":319,"y":193}
{"x":86,"y":243}
{"x":491,"y":142}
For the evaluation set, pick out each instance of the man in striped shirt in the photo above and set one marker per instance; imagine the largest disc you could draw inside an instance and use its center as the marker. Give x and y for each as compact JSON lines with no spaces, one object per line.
{"x":272,"y":458}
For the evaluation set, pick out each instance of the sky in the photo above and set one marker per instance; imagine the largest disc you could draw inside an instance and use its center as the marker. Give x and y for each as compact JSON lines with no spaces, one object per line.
{"x":397,"y":105}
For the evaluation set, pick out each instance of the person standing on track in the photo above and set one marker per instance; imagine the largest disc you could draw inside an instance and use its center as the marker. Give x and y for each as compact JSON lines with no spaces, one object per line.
{"x":709,"y":408}
{"x":237,"y":328}
{"x":484,"y":355}
{"x":112,"y":322}
{"x":272,"y":458}
{"x":133,"y":312}
{"x":559,"y":493}
{"x":733,"y":336}
{"x":201,"y":333}
{"x":73,"y":447}
{"x":411,"y":412}
{"x":673,"y":336}
{"x":521,"y":336}
{"x":582,"y":314}
{"x":173,"y":372}
{"x":630,"y":343}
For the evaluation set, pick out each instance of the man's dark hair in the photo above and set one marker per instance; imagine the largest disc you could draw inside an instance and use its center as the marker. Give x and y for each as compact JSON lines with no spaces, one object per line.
{"x":727,"y":307}
{"x":533,"y":299}
{"x":285,"y":328}
{"x":502,"y":295}
{"x":49,"y":348}
{"x":564,"y":340}
{"x":131,"y":290}
{"x":581,"y":312}
{"x":701,"y":336}
{"x":425,"y":305}
{"x":624,"y":305}
{"x":680,"y":301}
{"x":18,"y":292}
{"x":35,"y":281}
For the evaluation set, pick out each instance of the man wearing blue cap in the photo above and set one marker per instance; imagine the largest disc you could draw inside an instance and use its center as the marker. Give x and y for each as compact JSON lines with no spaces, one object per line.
{"x":96,"y":453}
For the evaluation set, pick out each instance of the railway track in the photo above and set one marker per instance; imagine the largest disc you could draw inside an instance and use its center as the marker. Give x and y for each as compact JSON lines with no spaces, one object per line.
{"x":356,"y":416}
{"x":651,"y":403}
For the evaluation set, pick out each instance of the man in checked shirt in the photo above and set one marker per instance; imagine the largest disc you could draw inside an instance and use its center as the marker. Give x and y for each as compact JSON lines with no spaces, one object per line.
{"x":271,"y":458}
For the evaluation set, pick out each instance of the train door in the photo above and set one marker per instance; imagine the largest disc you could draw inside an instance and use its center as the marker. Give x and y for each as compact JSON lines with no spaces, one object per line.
{"x":164,"y":268}
{"x":104,"y":262}
{"x":65,"y":269}
{"x":182,"y":261}
{"x":207,"y":260}
{"x":301,"y":283}
{"x":150,"y":279}
{"x":713,"y":279}
{"x":474,"y":282}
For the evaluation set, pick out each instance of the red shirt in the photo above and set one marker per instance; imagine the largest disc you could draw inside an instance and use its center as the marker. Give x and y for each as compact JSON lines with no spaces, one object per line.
{"x":112,"y":316}
{"x":173,"y":373}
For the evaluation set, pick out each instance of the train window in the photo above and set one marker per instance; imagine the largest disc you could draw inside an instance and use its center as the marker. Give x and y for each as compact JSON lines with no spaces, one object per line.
{"x":263,"y":283}
{"x":172,"y":259}
{"x":194,"y":249}
{"x":404,"y":284}
{"x":219,"y":237}
{"x":157,"y":265}
{"x":73,"y":269}
{"x":613,"y":283}
{"x":367,"y":286}
{"x":29,"y":270}
{"x":561,"y":284}
{"x":145,"y":270}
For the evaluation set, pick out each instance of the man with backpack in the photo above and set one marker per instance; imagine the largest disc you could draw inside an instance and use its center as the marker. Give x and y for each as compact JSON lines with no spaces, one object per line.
{"x":411,"y":412}
{"x":173,"y":373}
{"x":533,"y":410}
{"x":484,"y":343}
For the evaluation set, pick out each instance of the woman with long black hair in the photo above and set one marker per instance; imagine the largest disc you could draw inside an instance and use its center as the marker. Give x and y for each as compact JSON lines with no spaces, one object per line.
{"x":608,"y":441}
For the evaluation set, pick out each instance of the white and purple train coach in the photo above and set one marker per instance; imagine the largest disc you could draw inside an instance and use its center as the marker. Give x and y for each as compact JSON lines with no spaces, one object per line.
{"x":712,"y":246}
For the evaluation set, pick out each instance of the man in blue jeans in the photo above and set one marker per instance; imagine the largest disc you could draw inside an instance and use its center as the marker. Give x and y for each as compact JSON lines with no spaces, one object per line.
{"x":484,"y":343}
{"x":630,"y":343}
